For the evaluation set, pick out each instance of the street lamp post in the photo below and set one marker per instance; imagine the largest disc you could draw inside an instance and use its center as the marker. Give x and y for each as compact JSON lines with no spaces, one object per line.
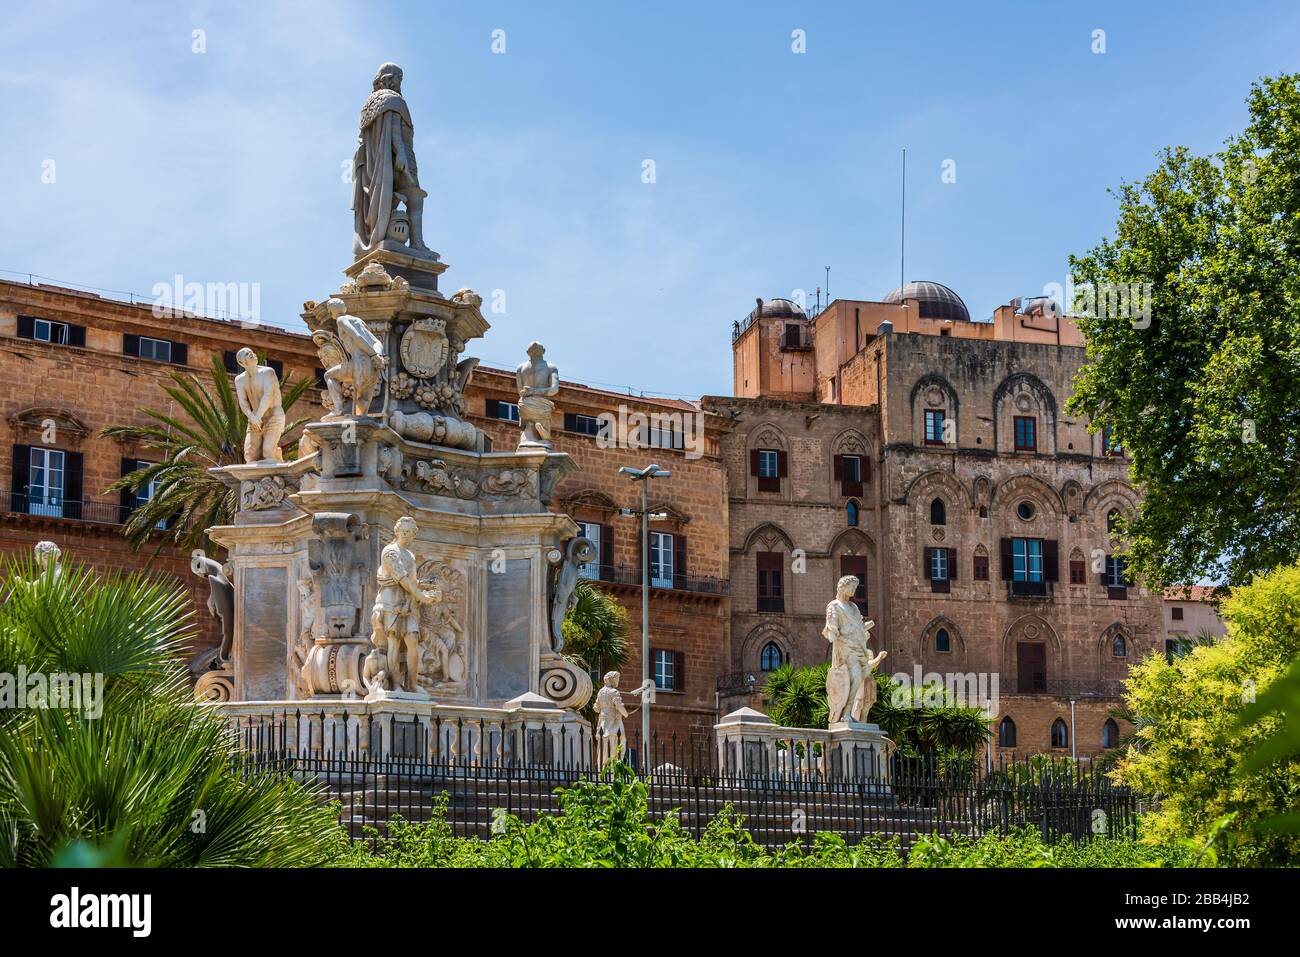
{"x":644,"y":476}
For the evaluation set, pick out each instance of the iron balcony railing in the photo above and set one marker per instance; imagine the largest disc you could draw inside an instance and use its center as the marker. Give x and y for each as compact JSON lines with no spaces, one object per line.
{"x":53,"y":506}
{"x":631,"y":575}
{"x":741,"y":682}
{"x":1033,"y":591}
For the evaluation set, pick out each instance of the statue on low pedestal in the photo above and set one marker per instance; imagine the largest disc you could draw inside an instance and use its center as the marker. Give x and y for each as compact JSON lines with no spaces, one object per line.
{"x":850,"y":685}
{"x":353,"y":357}
{"x":395,"y":618}
{"x":610,"y":713}
{"x":258,"y":391}
{"x":538,"y":382}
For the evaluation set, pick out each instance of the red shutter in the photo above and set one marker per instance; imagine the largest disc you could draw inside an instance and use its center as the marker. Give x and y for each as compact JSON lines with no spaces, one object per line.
{"x":1007,"y":564}
{"x":952,"y":564}
{"x":753,"y":461}
{"x":926,"y":563}
{"x":679,"y":671}
{"x":1051,"y":561}
{"x":839,"y":468}
{"x":781,"y":467}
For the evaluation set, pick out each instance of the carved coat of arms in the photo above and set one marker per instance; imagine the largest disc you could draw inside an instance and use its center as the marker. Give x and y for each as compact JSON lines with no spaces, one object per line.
{"x":424,"y":347}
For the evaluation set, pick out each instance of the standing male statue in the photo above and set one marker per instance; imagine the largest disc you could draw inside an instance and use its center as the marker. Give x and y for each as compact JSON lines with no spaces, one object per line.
{"x":538,"y":381}
{"x":258,"y":391}
{"x":849,"y":682}
{"x":395,"y":618}
{"x":383,"y":169}
{"x":353,"y":356}
{"x":610,"y":713}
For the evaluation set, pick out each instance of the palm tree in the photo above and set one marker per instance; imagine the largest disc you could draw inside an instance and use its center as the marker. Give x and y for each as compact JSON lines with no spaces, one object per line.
{"x":797,"y":696}
{"x":595,"y":630}
{"x":186,"y":499}
{"x":139,"y":774}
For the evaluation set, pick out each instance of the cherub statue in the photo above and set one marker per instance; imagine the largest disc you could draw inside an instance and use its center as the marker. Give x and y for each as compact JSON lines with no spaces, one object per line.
{"x":395,"y":618}
{"x":849,"y":682}
{"x":353,"y":356}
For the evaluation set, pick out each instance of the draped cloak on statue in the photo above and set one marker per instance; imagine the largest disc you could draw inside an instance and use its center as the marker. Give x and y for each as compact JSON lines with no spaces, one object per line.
{"x":374,"y":178}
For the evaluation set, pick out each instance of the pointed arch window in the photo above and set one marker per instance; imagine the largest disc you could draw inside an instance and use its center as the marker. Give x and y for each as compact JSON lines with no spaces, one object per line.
{"x":938,"y":513}
{"x":851,"y":514}
{"x":771,"y":658}
{"x":1060,"y":734}
{"x":1110,"y":734}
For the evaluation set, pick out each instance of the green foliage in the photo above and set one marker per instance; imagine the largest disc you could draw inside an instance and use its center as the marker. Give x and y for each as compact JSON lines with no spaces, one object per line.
{"x":595,"y":630}
{"x":1213,"y":763}
{"x":149,"y":781}
{"x":920,"y":720}
{"x":1204,"y":400}
{"x":607,"y":824}
{"x":185,"y":495}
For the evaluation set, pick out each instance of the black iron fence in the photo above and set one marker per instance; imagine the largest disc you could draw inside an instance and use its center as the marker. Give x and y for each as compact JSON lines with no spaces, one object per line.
{"x":383,"y":768}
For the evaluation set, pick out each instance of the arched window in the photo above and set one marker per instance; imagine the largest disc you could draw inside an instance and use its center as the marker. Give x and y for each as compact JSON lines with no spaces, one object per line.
{"x":851,"y":513}
{"x":941,"y":640}
{"x":1112,"y":522}
{"x":1060,"y":734}
{"x":771,"y":658}
{"x":1119,"y":647}
{"x":1110,"y":734}
{"x":1006,"y":733}
{"x":938,"y":515}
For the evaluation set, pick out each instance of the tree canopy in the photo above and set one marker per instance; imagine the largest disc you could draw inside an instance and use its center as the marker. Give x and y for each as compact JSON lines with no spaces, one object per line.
{"x":1204,"y":391}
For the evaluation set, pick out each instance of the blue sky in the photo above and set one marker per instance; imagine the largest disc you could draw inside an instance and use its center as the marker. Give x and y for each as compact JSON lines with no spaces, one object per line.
{"x":225,"y":166}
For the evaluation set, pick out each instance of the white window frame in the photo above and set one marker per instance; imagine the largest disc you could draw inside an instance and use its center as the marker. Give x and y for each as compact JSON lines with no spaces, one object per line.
{"x":49,"y":326}
{"x":665,"y":670}
{"x":662,"y":559}
{"x":155,"y":346}
{"x":769,"y":463}
{"x":511,"y":410}
{"x":42,"y":466}
{"x":1027,"y":559}
{"x":591,"y":532}
{"x":938,"y":564}
{"x":857,"y":468}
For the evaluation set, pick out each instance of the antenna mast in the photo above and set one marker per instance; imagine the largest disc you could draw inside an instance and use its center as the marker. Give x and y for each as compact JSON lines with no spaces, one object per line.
{"x":902,"y":231}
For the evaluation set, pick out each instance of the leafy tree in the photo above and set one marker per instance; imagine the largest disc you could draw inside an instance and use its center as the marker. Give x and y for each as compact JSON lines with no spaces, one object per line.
{"x":595,"y":630}
{"x":150,"y":779}
{"x":186,"y":498}
{"x":910,"y":716}
{"x":1204,"y":394}
{"x":1211,"y":762}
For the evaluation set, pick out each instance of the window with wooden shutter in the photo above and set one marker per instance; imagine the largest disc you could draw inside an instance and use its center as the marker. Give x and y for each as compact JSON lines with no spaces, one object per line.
{"x":1007,"y":569}
{"x":770,"y":567}
{"x":72,"y":482}
{"x":1051,"y":561}
{"x":1031,"y":667}
{"x":981,"y":568}
{"x":769,"y":466}
{"x":849,"y":472}
{"x":679,"y":561}
{"x":679,"y":671}
{"x":21,"y":469}
{"x":1078,"y":572}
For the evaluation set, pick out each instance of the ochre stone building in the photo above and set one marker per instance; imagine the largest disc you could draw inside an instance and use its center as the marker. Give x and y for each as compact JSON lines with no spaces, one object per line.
{"x":897,"y":440}
{"x":932,"y":456}
{"x":74,"y":363}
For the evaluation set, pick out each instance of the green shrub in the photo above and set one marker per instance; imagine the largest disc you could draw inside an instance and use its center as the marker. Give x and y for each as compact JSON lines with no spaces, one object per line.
{"x":1192,"y":748}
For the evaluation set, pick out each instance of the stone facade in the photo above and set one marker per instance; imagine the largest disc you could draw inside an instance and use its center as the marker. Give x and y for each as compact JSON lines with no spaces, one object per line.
{"x":943,"y":507}
{"x":89,"y":384}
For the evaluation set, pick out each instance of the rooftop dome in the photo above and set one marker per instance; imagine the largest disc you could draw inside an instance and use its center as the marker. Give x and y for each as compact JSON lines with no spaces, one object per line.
{"x":778,"y":309}
{"x":937,"y":301}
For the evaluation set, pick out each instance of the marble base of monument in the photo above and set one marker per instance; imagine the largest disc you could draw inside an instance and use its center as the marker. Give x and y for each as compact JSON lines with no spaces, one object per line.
{"x":750,"y":745}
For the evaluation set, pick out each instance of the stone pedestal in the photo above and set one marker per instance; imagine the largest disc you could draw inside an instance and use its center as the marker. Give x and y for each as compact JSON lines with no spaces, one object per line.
{"x":751,"y":747}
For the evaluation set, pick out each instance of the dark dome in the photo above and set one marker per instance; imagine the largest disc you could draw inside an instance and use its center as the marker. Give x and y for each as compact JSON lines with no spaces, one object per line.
{"x":778,"y":309}
{"x":936,"y":300}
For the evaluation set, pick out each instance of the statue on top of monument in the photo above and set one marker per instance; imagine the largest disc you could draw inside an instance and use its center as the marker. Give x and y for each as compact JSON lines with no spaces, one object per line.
{"x":384,"y":172}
